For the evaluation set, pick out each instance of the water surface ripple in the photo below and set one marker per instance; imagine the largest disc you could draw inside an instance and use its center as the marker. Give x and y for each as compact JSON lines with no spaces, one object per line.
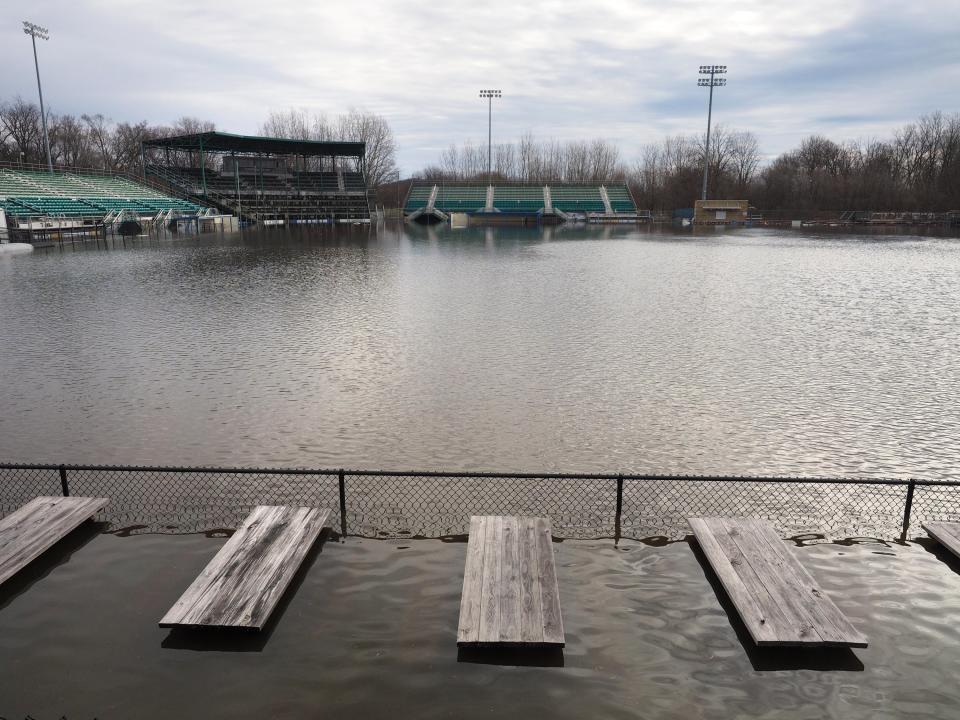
{"x":600,"y":349}
{"x":369,"y":631}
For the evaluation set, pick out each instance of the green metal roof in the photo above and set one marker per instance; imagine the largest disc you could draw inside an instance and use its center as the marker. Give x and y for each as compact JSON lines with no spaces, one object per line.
{"x":220,"y":142}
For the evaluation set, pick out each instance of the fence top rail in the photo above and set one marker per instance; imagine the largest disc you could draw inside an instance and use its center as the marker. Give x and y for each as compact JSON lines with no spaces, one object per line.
{"x":479,"y":474}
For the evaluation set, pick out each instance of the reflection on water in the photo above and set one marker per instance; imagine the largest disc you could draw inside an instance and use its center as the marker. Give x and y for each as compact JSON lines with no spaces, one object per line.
{"x":370,"y":632}
{"x":575,"y":349}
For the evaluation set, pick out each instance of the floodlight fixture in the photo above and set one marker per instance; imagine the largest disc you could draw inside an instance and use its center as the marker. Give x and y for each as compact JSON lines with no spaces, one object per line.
{"x":36,"y":31}
{"x":33,"y":29}
{"x":490,"y":95}
{"x":711,"y":82}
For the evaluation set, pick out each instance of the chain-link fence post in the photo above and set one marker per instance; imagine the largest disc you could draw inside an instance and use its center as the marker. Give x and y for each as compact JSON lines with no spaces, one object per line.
{"x":343,"y":503}
{"x":616,"y":519}
{"x":63,"y":481}
{"x":908,"y":506}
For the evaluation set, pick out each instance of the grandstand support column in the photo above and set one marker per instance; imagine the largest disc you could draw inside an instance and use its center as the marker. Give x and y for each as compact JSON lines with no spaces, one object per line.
{"x":203,"y":169}
{"x":143,"y":162}
{"x":236,"y":174}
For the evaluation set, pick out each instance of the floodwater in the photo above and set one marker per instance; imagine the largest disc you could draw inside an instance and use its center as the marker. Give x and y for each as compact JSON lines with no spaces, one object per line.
{"x":575,"y":349}
{"x":369,"y":631}
{"x":572,"y":349}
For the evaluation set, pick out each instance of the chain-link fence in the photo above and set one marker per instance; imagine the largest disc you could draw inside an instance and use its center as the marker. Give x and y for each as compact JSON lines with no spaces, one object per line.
{"x":436,"y":504}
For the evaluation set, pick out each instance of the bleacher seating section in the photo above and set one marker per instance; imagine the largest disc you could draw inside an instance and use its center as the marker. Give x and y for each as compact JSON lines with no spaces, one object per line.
{"x":620,"y":200}
{"x":526,"y":199}
{"x":577,"y":198}
{"x":418,"y":197}
{"x":461,"y":199}
{"x":304,"y":195}
{"x":25,"y":193}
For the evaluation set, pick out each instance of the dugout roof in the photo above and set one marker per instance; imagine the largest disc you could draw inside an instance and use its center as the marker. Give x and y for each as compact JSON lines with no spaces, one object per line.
{"x":230,"y":143}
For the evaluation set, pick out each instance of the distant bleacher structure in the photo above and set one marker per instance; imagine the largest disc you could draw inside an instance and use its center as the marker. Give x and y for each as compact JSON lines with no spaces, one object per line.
{"x":38,"y":200}
{"x":434,"y":202}
{"x":265,"y":180}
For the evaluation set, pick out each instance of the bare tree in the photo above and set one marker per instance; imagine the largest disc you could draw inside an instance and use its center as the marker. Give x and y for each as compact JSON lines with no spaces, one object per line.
{"x":70,"y":142}
{"x":99,"y":130}
{"x":22,"y":123}
{"x":744,"y":159}
{"x":380,"y":150}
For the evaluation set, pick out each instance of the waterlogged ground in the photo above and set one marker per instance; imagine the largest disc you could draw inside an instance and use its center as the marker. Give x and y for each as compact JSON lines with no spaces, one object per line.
{"x":369,"y":631}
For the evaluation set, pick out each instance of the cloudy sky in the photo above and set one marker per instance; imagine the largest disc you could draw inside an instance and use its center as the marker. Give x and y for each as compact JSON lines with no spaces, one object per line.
{"x":625,"y":70}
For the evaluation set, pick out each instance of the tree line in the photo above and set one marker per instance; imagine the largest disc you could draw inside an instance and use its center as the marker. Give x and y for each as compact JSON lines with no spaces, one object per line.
{"x":530,"y":160}
{"x":356,"y":125}
{"x":97,"y":142}
{"x":917,"y":168}
{"x":87,"y":141}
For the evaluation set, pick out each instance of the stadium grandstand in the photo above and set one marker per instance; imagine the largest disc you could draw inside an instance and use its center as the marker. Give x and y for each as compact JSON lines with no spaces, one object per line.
{"x":428,"y":202}
{"x":38,"y":201}
{"x":264,"y":180}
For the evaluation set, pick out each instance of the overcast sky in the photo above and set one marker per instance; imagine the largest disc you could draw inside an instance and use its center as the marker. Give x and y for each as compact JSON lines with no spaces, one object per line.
{"x":622,"y":70}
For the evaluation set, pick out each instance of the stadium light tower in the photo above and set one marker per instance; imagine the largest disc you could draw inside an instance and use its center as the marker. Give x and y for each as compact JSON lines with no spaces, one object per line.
{"x":711,"y":82}
{"x":490,"y":95}
{"x":35,"y":31}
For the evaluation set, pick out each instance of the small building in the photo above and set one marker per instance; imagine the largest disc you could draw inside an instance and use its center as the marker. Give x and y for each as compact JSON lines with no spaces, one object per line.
{"x":721,"y":212}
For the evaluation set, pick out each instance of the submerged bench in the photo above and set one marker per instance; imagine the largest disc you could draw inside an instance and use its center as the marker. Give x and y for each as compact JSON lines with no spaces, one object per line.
{"x":945,"y":533}
{"x":778,"y":601}
{"x":243,"y":583}
{"x":510,"y":594}
{"x":34,"y":528}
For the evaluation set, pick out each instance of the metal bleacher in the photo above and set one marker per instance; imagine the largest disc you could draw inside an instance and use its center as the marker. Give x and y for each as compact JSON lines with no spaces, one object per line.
{"x":269,"y":180}
{"x":577,"y":198}
{"x":41,"y":194}
{"x":562,"y":199}
{"x":507,"y":198}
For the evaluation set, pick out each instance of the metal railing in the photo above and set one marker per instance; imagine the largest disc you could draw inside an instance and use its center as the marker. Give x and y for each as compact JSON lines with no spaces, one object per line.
{"x":379,"y":503}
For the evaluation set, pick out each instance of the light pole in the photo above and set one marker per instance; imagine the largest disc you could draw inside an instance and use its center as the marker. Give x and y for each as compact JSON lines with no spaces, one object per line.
{"x":712,"y":82}
{"x":35,"y":31}
{"x":490,"y":95}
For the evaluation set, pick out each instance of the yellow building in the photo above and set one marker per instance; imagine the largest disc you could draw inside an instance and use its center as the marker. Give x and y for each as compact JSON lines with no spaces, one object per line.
{"x":720,"y":212}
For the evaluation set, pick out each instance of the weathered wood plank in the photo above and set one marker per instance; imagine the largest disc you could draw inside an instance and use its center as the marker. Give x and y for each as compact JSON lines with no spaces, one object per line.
{"x":814,"y":605}
{"x":945,"y":533}
{"x":34,"y":528}
{"x":746,"y":600}
{"x":490,"y":592}
{"x":778,"y":600}
{"x":531,"y":613}
{"x":549,"y":589}
{"x":796,"y":624}
{"x":510,"y":582}
{"x":510,"y":572}
{"x":468,"y":629}
{"x":243,"y":583}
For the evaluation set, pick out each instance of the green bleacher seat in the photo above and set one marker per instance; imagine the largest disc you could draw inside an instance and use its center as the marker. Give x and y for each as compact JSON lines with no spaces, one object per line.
{"x":59,"y":194}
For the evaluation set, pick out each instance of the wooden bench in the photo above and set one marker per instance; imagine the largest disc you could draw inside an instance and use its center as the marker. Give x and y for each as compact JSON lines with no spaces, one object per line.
{"x":243,"y":583}
{"x":945,"y":533}
{"x":778,"y":601}
{"x":510,"y":594}
{"x":34,"y":528}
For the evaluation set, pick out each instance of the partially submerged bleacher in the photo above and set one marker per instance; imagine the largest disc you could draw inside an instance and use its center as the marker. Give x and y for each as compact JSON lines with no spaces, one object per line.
{"x":32,"y":194}
{"x":562,"y":201}
{"x":265,"y":179}
{"x":340,"y":196}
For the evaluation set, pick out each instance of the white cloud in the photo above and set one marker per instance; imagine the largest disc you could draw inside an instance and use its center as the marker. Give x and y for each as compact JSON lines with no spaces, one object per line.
{"x":620,"y":69}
